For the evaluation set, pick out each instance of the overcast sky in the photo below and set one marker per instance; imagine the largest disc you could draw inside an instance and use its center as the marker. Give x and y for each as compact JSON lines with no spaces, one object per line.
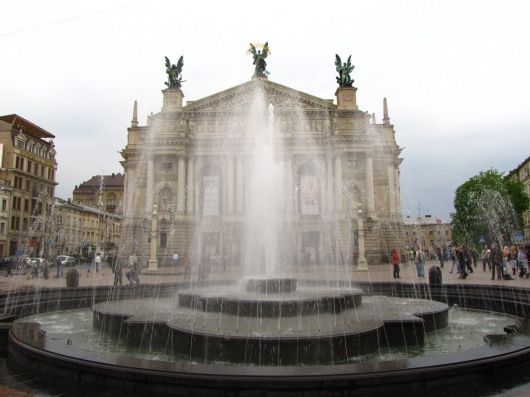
{"x":456,"y":74}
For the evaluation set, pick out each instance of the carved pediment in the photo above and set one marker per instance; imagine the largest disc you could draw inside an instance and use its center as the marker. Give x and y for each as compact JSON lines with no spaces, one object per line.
{"x":241,"y":98}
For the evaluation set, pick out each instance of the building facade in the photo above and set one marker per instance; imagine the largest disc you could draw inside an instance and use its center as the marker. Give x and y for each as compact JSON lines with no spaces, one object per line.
{"x":427,"y":233}
{"x":101,"y":191}
{"x":29,"y":167}
{"x":522,"y":173}
{"x":6,"y":193}
{"x":84,"y":230}
{"x":187,"y":170}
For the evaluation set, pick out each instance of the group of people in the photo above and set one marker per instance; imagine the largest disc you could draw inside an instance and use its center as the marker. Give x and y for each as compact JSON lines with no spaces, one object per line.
{"x":504,"y":263}
{"x":419,"y":260}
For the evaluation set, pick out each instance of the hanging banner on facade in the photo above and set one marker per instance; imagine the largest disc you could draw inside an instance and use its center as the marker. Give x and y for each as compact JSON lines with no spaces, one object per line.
{"x":309,"y":195}
{"x":210,"y":204}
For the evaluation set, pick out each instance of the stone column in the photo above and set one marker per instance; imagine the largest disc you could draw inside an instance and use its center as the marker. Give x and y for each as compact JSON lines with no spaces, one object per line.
{"x":129,"y":177}
{"x":289,"y":184}
{"x":329,"y":182}
{"x":338,"y":183}
{"x":239,"y":185}
{"x":149,"y":185}
{"x":391,"y":189}
{"x":230,"y":186}
{"x":181,"y":183}
{"x":190,"y":187}
{"x":370,"y":186}
{"x":153,"y":262}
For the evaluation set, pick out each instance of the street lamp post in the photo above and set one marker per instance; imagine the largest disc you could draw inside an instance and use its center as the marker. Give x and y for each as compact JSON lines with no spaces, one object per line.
{"x":362,"y":264}
{"x":153,"y":263}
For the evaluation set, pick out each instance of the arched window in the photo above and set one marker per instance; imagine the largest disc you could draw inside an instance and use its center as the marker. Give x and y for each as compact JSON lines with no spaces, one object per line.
{"x":309,"y":190}
{"x":211,"y":198}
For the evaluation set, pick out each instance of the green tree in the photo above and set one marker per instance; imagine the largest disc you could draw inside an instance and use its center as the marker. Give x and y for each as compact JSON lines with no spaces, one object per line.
{"x":488,"y":205}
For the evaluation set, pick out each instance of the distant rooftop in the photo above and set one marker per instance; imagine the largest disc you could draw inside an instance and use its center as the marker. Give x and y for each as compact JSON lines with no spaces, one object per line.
{"x":105,"y":181}
{"x":26,"y":126}
{"x":518,"y":167}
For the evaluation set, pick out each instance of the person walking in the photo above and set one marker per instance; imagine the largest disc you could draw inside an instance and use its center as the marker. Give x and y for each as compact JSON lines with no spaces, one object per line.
{"x":440,"y":255}
{"x":522,"y":262}
{"x":420,"y":263}
{"x":97,"y":261}
{"x":59,"y":263}
{"x":462,"y":261}
{"x":496,"y":261}
{"x":394,"y":257}
{"x":118,"y":273}
{"x":485,"y":255}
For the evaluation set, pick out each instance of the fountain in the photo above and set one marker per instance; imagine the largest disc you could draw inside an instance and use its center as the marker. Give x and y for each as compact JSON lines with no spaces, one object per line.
{"x":263,"y":325}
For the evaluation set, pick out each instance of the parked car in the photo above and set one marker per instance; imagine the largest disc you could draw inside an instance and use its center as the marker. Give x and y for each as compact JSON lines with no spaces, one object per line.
{"x":67,"y":260}
{"x":79,"y":258}
{"x":36,"y":261}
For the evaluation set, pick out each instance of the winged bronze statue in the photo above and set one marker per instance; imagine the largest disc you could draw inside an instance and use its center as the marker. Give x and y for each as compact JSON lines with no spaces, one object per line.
{"x":259,"y":60}
{"x":174,"y":73}
{"x":344,"y":70}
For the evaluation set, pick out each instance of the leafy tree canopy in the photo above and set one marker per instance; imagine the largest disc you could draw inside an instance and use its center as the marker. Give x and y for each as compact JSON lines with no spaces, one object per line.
{"x":488,"y":206}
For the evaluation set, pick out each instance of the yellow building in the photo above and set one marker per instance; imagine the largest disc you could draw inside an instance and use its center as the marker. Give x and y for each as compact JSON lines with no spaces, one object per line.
{"x":522,"y":173}
{"x":84,"y":230}
{"x":101,"y":191}
{"x":427,"y":233}
{"x":6,"y":192}
{"x":27,"y":157}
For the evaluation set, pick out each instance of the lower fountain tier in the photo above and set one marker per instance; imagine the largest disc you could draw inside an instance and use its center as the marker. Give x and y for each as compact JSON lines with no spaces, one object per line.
{"x":304,"y":340}
{"x":271,"y":284}
{"x":304,"y":302}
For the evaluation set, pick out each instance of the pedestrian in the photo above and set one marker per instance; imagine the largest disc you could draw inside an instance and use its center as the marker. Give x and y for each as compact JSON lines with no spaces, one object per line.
{"x":175,"y":259}
{"x":461,"y":257}
{"x":485,"y":255}
{"x":45,"y":269}
{"x":440,"y":255}
{"x":522,"y":262}
{"x":97,"y":261}
{"x":505,"y":259}
{"x":118,"y":273}
{"x":394,"y":257}
{"x":452,"y":255}
{"x":420,"y":263}
{"x":496,"y":261}
{"x":59,"y":263}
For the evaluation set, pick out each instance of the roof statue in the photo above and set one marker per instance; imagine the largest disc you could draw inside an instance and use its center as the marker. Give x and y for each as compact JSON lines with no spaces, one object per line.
{"x":259,"y":59}
{"x":174,"y":73}
{"x":344,"y":70}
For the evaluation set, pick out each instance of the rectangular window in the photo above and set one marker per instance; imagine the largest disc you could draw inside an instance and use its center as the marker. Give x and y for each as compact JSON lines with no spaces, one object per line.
{"x":17,"y":162}
{"x":2,"y":228}
{"x":28,"y":166}
{"x":14,"y":203}
{"x":12,"y":223}
{"x":26,"y":205}
{"x":163,"y":239}
{"x":25,"y":224}
{"x":4,"y":204}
